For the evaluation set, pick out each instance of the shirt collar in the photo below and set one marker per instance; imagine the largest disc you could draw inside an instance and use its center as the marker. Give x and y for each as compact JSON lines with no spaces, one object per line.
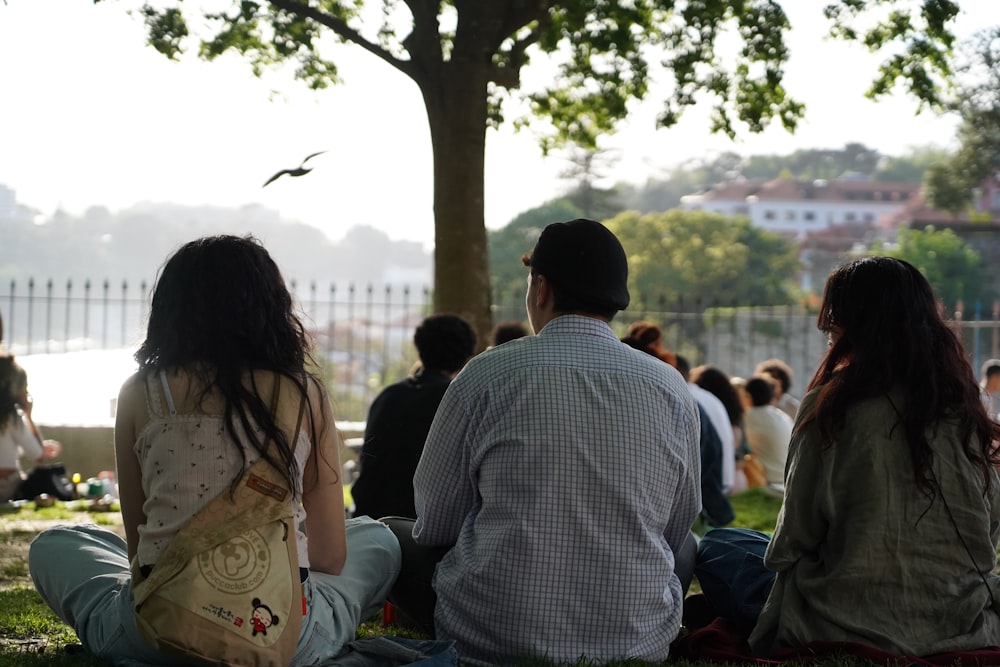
{"x":578,"y":325}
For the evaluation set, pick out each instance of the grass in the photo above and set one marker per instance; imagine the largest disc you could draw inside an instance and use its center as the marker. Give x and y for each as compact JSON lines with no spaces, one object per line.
{"x":755,"y":509}
{"x":32,"y":636}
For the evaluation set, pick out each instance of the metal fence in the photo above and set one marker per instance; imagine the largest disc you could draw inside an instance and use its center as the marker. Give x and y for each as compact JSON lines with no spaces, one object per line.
{"x":364,"y":334}
{"x":45,"y":318}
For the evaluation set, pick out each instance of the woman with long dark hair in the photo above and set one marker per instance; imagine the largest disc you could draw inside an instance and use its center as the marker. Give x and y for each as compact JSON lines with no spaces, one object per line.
{"x":222,"y":383}
{"x":19,"y":437}
{"x":889,"y":528}
{"x":749,"y":471}
{"x":716,"y":382}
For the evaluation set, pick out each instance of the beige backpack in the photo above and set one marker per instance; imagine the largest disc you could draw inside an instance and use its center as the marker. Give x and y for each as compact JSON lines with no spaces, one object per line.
{"x":227,"y":590}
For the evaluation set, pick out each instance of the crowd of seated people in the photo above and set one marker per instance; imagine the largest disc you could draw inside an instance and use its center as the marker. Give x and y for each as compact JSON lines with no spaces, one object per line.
{"x":554,"y":496}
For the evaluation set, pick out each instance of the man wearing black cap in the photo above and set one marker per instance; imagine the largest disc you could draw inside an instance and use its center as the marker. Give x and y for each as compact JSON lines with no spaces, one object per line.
{"x":559,"y":480}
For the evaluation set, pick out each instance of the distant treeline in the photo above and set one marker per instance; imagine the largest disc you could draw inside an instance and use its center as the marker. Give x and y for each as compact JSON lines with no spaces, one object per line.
{"x":130,"y":245}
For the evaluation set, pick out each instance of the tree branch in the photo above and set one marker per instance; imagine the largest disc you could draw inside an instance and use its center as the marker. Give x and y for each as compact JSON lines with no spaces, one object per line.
{"x":523,"y":12}
{"x":519,"y":46}
{"x":424,"y":42}
{"x":520,"y":14}
{"x":341,"y":28}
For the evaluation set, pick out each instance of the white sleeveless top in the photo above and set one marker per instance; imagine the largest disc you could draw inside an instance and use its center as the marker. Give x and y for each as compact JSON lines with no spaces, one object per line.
{"x":18,"y":441}
{"x":186,"y":461}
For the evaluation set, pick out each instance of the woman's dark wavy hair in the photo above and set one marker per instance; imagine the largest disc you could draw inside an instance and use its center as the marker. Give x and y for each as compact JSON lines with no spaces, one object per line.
{"x":13,"y":380}
{"x":716,"y":382}
{"x":220,"y":309}
{"x":887,"y":332}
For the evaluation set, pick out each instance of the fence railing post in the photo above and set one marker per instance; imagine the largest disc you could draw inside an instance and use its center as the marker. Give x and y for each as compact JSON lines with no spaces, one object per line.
{"x":350,"y":329}
{"x":387,"y":315}
{"x":69,"y":302}
{"x":105,"y":300}
{"x":48,"y":315}
{"x":86,"y":314}
{"x":331,"y":323}
{"x":9,"y":334}
{"x":995,"y":351}
{"x":31,"y":304}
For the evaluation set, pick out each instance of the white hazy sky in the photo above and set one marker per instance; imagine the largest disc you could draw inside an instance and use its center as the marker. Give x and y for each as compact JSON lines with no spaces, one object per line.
{"x":89,"y":115}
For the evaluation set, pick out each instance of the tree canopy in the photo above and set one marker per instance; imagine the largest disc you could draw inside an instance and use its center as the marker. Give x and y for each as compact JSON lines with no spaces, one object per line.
{"x":706,"y":258}
{"x":951,"y":266}
{"x":467,"y":57}
{"x":950,"y":184}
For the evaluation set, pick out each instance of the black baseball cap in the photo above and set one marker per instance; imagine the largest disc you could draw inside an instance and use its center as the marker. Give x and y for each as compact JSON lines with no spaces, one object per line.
{"x":582,"y":257}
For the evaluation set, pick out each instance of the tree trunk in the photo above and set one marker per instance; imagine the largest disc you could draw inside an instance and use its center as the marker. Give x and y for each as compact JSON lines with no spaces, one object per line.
{"x":457,"y":115}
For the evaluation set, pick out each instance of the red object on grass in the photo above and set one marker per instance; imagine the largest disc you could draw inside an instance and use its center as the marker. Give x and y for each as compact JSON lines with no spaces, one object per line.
{"x":388,"y":614}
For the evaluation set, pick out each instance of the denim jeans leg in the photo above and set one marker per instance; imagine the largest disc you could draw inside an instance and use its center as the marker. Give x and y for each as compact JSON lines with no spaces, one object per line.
{"x":337,"y":604}
{"x":730,"y":568}
{"x":82,"y":573}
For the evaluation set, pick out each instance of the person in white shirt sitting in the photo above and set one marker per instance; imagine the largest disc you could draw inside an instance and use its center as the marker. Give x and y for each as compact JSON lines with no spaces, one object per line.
{"x":769,"y":430}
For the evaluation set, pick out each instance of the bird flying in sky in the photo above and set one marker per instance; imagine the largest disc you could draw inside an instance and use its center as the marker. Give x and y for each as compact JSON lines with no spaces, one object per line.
{"x":301,"y":170}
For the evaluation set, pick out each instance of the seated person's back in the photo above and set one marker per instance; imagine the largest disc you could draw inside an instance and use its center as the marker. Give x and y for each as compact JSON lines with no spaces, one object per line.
{"x":401,"y":415}
{"x":885,"y":545}
{"x":768,"y":430}
{"x":564,"y":469}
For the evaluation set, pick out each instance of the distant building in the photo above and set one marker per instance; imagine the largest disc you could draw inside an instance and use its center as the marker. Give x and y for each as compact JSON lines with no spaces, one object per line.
{"x":824,"y":249}
{"x":832,"y":221}
{"x":800,"y":208}
{"x":917,"y":214}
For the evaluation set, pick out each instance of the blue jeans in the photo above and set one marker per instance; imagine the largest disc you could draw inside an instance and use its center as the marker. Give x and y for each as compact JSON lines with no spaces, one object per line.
{"x":82,"y":573}
{"x":730,"y":568}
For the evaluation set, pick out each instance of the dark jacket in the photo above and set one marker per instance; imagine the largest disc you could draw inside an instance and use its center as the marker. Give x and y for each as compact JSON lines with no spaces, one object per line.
{"x":715,"y":507}
{"x":398,"y":422}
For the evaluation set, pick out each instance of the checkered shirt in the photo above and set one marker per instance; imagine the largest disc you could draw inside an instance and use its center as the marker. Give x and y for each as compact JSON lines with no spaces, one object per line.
{"x":565,"y":467}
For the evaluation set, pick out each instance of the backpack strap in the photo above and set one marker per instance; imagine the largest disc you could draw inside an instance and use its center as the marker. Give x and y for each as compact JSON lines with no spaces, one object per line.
{"x":260,"y":498}
{"x":166,"y":393}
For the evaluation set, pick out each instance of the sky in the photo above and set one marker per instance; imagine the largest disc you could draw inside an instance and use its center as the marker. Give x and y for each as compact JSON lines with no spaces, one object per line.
{"x":90,"y":115}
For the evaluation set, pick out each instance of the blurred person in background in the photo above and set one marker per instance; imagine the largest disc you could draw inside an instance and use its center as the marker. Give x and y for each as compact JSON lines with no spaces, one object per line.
{"x":19,"y":437}
{"x":781,"y":373}
{"x":769,"y":430}
{"x":507,"y":331}
{"x":401,"y":415}
{"x":990,"y":384}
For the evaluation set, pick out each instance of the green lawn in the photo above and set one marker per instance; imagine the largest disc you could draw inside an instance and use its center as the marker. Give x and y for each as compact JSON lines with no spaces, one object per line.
{"x":755,"y":509}
{"x":31,"y":636}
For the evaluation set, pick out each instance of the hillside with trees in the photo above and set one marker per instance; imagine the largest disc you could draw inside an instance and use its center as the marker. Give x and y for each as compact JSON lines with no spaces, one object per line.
{"x":130,"y":245}
{"x":674,"y":254}
{"x":662,"y":193}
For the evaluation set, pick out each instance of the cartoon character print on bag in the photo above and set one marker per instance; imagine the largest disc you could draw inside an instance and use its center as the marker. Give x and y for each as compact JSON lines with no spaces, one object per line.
{"x":262,"y":618}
